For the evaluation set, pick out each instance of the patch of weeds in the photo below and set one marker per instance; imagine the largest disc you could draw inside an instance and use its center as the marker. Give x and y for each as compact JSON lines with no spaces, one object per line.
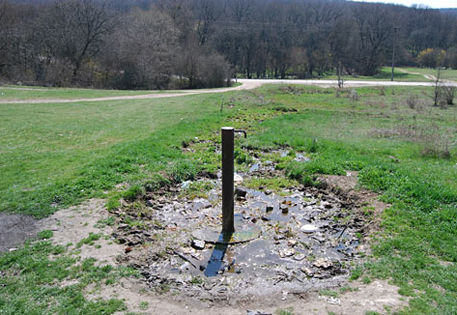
{"x":275,"y":184}
{"x":366,"y":280}
{"x":287,"y":311}
{"x":368,"y":211}
{"x":330,"y":293}
{"x":310,"y":181}
{"x":348,"y":289}
{"x":45,"y":234}
{"x":143,"y":306}
{"x":305,"y":172}
{"x":372,"y":313}
{"x":164,"y":288}
{"x":133,"y":193}
{"x":113,"y":201}
{"x":105,"y":222}
{"x":90,"y":240}
{"x":356,"y":273}
{"x":242,"y":157}
{"x":156,"y":181}
{"x":197,"y":189}
{"x":196,"y":280}
{"x":182,"y":170}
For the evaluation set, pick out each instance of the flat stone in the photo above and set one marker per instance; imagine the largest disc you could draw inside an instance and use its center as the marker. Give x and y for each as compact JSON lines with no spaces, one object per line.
{"x":299,"y":257}
{"x":308,"y":228}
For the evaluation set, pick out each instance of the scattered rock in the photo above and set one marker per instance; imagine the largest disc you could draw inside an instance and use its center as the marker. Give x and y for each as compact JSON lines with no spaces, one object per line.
{"x":307,"y":271}
{"x":323,"y":263}
{"x":292,"y":243}
{"x":269,"y":208}
{"x":287,"y":252}
{"x":150,"y":203}
{"x":279,"y":237}
{"x":299,"y":257}
{"x":333,"y":301}
{"x":240,"y":192}
{"x":308,"y":228}
{"x":237,"y":178}
{"x":198,"y":244}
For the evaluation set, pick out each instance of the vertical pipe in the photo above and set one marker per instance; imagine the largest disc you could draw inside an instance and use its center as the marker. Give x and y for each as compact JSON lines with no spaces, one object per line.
{"x":227,"y":179}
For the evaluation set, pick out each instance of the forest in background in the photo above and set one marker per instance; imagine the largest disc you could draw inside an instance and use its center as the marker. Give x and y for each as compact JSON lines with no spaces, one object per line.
{"x":168,"y":44}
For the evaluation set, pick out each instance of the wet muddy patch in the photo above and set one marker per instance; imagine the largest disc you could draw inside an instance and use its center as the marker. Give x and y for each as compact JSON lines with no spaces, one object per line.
{"x":15,"y":229}
{"x":308,"y":238}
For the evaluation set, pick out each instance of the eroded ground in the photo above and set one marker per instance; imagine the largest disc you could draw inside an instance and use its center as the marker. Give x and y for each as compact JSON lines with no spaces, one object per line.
{"x":308,"y":241}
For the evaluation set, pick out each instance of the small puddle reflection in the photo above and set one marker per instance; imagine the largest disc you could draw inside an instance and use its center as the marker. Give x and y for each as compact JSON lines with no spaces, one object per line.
{"x":216,"y":260}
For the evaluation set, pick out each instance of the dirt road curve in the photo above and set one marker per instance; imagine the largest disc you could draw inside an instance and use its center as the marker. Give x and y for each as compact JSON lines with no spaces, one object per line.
{"x":247,"y":84}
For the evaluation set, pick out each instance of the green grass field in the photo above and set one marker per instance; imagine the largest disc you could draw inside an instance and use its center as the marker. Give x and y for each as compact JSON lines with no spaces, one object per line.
{"x":56,"y":155}
{"x":20,"y":93}
{"x":446,"y":74}
{"x":403,"y":75}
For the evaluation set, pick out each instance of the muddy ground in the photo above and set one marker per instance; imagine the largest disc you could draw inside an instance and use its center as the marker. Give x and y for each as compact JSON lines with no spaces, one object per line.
{"x":305,"y":242}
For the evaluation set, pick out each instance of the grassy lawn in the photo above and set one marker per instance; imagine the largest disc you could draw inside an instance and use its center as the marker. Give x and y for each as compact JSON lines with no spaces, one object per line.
{"x":447,"y":74}
{"x":402,"y":75}
{"x":385,"y":75}
{"x":55,"y":155}
{"x":13,"y":92}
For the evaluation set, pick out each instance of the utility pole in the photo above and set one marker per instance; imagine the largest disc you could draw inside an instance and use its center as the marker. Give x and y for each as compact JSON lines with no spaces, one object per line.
{"x":393,"y":53}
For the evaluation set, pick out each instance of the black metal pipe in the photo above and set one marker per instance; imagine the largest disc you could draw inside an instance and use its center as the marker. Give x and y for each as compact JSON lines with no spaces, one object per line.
{"x":227,"y":179}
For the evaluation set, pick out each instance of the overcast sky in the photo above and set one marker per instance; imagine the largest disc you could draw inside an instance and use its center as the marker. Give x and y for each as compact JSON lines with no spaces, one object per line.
{"x":430,"y":3}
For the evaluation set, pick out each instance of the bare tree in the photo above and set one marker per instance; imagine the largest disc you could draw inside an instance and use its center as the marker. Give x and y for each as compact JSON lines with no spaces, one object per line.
{"x":437,"y":89}
{"x":147,"y":45}
{"x":374,"y":28}
{"x":78,"y":28}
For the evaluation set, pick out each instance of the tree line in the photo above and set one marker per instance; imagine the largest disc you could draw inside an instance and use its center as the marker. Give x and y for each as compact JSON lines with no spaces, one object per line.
{"x":163,"y":44}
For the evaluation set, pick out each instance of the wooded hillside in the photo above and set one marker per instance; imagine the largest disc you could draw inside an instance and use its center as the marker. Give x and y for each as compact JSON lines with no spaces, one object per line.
{"x":162,"y":44}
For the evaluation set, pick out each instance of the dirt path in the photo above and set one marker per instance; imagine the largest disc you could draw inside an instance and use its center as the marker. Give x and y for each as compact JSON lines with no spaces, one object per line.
{"x":246,"y":84}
